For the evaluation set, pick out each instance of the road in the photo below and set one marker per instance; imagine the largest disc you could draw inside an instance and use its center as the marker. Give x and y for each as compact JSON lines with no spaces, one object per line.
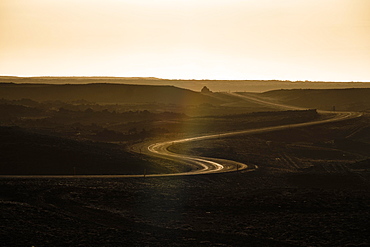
{"x":205,"y":165}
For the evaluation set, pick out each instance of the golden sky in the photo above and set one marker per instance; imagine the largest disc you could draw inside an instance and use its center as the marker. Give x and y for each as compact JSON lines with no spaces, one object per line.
{"x":326,"y":40}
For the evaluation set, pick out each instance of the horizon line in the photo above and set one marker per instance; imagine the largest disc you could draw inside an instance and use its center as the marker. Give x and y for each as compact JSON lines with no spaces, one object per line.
{"x":178,"y":79}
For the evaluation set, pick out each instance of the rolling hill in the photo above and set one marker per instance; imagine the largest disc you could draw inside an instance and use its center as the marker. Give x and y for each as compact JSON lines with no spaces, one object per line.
{"x":27,"y":153}
{"x":350,"y":99}
{"x":105,"y":93}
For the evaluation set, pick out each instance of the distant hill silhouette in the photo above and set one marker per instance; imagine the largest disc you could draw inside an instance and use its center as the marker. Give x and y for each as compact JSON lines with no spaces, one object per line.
{"x":351,"y":99}
{"x":105,"y":93}
{"x":195,"y":85}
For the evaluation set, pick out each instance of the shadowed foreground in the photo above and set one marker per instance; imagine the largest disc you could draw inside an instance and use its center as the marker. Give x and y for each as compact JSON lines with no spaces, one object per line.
{"x":310,"y":188}
{"x":237,"y":209}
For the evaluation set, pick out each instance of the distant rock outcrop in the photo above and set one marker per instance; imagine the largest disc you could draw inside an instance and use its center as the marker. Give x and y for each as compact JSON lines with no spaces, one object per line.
{"x":205,"y":90}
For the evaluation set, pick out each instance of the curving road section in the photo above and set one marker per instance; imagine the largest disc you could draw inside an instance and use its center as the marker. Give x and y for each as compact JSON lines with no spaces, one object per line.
{"x":203,"y":165}
{"x":200,"y":165}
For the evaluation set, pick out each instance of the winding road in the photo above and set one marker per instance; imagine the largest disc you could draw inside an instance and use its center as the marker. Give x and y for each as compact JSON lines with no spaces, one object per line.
{"x":205,"y":165}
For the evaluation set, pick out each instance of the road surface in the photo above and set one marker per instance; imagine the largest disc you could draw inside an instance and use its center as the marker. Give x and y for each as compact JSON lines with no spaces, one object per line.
{"x":203,"y":165}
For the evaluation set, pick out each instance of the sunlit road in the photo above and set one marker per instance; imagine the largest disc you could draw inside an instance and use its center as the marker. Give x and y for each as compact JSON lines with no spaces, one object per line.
{"x":207,"y":165}
{"x":203,"y":165}
{"x":200,"y":165}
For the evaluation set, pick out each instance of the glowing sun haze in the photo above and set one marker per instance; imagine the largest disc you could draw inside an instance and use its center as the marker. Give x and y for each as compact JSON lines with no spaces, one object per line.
{"x":327,"y":40}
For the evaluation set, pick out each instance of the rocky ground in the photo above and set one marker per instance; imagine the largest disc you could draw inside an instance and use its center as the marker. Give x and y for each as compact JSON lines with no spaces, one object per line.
{"x":236,"y":209}
{"x":308,"y":190}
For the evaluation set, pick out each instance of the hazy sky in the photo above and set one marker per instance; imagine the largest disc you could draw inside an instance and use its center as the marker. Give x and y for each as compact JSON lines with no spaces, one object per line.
{"x":200,"y":39}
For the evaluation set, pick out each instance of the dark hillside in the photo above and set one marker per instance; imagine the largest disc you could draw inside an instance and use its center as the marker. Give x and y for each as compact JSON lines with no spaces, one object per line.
{"x":105,"y":93}
{"x":195,"y":85}
{"x":25,"y":153}
{"x":351,"y":99}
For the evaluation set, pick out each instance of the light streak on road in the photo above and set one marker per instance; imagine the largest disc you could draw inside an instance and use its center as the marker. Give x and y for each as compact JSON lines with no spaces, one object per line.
{"x":203,"y":165}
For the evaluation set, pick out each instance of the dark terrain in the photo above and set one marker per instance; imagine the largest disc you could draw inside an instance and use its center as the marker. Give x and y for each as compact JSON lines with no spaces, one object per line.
{"x":244,"y":209}
{"x":41,"y":140}
{"x":310,"y":189}
{"x":195,"y":85}
{"x":104,"y":93}
{"x":27,"y":153}
{"x":347,"y":99}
